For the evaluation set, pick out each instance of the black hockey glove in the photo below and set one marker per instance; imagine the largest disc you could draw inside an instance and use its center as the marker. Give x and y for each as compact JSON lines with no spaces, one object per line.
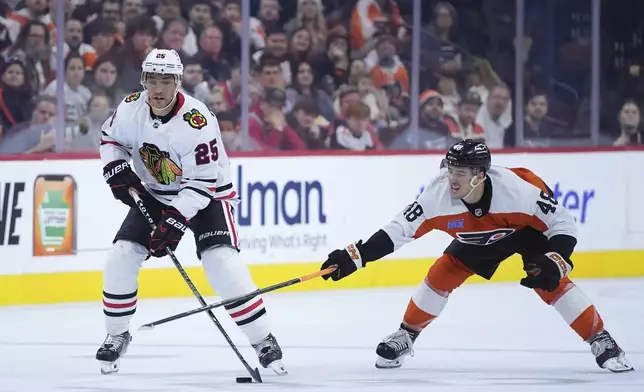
{"x":348,"y":261}
{"x":545,"y":271}
{"x":120,"y":177}
{"x":168,"y":233}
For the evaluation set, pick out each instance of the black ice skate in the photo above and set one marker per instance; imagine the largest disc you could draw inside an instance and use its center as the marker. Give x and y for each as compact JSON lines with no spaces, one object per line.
{"x":110,"y":353}
{"x":394,"y":348}
{"x":270,"y":354}
{"x":608,"y":354}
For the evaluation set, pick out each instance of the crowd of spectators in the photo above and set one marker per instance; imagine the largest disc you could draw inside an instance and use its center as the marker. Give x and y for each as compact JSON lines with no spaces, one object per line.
{"x":325,"y":74}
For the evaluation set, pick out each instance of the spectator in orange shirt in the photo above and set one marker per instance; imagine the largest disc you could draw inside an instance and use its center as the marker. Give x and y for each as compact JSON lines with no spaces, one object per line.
{"x":385,"y":67}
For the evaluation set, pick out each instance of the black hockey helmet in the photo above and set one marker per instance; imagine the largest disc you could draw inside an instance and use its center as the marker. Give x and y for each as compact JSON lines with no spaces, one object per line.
{"x":469,"y":153}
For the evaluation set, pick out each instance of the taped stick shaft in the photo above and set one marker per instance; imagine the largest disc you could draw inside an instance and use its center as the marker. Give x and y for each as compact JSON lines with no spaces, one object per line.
{"x":242,"y":297}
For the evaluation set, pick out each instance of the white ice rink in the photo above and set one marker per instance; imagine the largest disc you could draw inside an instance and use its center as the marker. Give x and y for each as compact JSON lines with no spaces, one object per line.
{"x":498,"y":337}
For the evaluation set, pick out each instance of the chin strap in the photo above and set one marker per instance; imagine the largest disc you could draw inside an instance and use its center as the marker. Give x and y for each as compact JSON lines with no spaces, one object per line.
{"x":473,"y":185}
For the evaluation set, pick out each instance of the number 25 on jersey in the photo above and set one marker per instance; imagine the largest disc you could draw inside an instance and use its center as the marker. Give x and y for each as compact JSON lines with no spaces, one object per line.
{"x":206,"y":153}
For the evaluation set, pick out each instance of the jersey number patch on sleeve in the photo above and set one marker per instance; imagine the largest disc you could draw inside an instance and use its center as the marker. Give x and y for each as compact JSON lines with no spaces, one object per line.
{"x":413,"y":212}
{"x":206,"y":153}
{"x":548,"y":205}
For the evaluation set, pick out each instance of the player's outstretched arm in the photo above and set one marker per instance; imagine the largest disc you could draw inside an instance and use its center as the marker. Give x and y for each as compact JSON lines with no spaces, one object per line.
{"x":115,"y":152}
{"x":404,"y":228}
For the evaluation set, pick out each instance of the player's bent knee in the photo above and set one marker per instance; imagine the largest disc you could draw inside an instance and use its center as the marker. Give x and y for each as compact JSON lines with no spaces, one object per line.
{"x":447,"y":274}
{"x":123,"y":261}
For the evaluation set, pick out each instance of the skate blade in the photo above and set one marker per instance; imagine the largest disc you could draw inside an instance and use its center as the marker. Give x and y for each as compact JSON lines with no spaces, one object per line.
{"x":618,"y":364}
{"x":382,"y":363}
{"x":108,"y":368}
{"x":278,"y":367}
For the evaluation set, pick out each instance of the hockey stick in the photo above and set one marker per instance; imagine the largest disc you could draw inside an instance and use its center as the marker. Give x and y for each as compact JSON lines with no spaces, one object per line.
{"x":243,"y":297}
{"x":254,"y":373}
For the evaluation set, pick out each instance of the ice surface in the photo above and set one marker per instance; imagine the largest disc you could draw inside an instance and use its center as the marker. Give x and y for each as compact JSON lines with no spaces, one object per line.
{"x":495,"y":337}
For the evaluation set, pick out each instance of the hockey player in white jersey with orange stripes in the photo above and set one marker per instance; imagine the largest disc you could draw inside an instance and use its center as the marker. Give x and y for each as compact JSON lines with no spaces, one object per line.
{"x":492,"y":213}
{"x":181,"y":171}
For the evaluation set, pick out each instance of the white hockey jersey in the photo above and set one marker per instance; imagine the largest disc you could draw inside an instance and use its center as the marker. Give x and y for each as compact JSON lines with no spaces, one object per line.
{"x":517,"y":198}
{"x":180,"y":158}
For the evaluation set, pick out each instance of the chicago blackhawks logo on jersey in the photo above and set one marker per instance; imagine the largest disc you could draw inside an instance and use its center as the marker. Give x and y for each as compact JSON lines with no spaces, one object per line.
{"x":132,"y":97}
{"x":195,"y":119}
{"x":159,"y":164}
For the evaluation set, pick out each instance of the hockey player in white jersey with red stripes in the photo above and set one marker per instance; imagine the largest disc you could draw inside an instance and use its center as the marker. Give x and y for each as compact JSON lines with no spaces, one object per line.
{"x":181,"y":171}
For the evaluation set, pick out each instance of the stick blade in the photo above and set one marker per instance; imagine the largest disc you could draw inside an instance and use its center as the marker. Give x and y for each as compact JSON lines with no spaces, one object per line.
{"x":146,"y":327}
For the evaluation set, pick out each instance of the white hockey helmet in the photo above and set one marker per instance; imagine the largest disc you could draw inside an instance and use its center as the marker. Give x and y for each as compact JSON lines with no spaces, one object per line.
{"x":162,"y":61}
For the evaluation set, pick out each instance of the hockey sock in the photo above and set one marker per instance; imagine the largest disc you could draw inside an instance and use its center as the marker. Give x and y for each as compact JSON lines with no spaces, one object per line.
{"x":430,"y":297}
{"x":575,"y":308}
{"x":120,"y":285}
{"x":229,"y":277}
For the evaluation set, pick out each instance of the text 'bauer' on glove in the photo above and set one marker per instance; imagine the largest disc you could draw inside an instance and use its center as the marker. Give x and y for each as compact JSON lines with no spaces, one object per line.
{"x":120,"y":177}
{"x":168,"y":232}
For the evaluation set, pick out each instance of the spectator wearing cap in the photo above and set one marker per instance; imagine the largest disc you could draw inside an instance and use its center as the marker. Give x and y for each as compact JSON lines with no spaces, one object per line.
{"x":385,"y":65}
{"x":277,"y":48}
{"x":433,"y":132}
{"x":351,"y":133}
{"x":268,"y":126}
{"x":348,"y":95}
{"x":629,"y":125}
{"x":305,"y":122}
{"x":139,"y":37}
{"x":462,"y":123}
{"x":303,"y":86}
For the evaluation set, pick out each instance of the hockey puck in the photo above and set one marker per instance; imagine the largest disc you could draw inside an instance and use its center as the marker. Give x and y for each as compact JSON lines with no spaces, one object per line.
{"x":244,"y":380}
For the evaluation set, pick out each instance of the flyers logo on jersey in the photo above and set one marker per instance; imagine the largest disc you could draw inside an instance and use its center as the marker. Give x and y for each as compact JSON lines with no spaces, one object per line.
{"x":159,"y":164}
{"x":483,"y":238}
{"x":195,"y":119}
{"x":132,"y":97}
